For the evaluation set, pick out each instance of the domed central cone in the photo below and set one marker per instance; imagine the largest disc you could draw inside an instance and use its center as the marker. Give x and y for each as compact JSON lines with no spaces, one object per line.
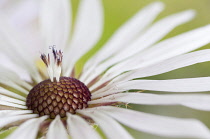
{"x":57,"y":98}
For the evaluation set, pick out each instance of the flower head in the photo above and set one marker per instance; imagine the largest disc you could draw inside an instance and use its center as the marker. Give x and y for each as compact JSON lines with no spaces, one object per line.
{"x":60,"y":104}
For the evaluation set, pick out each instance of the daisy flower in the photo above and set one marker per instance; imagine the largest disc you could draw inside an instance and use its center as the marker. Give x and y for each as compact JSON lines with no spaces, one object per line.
{"x":54,"y":102}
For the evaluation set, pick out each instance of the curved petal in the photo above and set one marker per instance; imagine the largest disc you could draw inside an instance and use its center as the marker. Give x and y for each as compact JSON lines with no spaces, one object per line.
{"x":159,"y":68}
{"x":80,"y":129}
{"x":55,"y":24}
{"x":57,"y":130}
{"x":28,"y":130}
{"x":121,"y":38}
{"x":88,"y":30}
{"x":148,"y":38}
{"x":111,"y":128}
{"x":167,"y":65}
{"x":180,"y":44}
{"x":159,"y":125}
{"x":10,"y":119}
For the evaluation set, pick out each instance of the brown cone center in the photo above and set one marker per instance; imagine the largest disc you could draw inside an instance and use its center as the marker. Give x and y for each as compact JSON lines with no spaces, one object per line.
{"x":57,"y":98}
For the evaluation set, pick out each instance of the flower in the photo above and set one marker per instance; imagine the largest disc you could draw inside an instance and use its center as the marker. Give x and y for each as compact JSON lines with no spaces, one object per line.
{"x":64,"y":106}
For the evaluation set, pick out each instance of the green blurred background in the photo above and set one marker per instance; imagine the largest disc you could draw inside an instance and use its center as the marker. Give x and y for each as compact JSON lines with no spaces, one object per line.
{"x":119,"y":11}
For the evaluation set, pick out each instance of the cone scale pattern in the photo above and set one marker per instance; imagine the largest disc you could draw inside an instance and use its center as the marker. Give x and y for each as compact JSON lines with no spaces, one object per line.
{"x":57,"y":98}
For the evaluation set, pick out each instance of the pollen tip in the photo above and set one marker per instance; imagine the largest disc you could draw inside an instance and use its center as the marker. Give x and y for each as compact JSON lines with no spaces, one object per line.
{"x":53,"y":61}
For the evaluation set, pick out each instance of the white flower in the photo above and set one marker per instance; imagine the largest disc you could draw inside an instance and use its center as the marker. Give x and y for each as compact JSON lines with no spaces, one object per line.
{"x":134,"y":51}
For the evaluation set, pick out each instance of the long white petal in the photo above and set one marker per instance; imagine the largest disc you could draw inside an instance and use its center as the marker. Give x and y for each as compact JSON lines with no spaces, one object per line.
{"x":55,"y":24}
{"x":5,"y":103}
{"x":111,"y":128}
{"x":200,"y":84}
{"x":6,"y":113}
{"x":12,"y":100}
{"x":151,"y":36}
{"x":8,"y":66}
{"x":80,"y":129}
{"x":10,"y":119}
{"x":164,"y":50}
{"x":88,"y":30}
{"x":159,"y":125}
{"x":196,"y":101}
{"x":159,"y":68}
{"x":167,"y":65}
{"x":12,"y":94}
{"x":28,"y":130}
{"x":57,"y":130}
{"x":10,"y":38}
{"x":121,"y":38}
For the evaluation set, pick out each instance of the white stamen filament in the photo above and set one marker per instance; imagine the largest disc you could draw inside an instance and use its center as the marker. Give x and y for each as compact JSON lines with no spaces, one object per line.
{"x":53,"y":61}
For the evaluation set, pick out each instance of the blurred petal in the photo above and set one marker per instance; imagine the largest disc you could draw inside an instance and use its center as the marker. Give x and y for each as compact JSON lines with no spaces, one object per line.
{"x":11,"y":94}
{"x":28,"y":130}
{"x":5,"y":103}
{"x":111,"y":128}
{"x":159,"y":125}
{"x":80,"y":129}
{"x":12,"y":100}
{"x":55,"y":20}
{"x":88,"y":30}
{"x":57,"y":130}
{"x":14,"y":49}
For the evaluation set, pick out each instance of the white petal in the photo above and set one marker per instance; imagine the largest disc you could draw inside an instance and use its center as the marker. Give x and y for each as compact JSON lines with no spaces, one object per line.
{"x":159,"y":68}
{"x":121,"y":38}
{"x":10,"y":119}
{"x":167,"y":65}
{"x":12,"y":100}
{"x":10,"y":38}
{"x":200,"y":84}
{"x":159,"y":125}
{"x":175,"y":85}
{"x":80,"y":129}
{"x":55,"y":24}
{"x":6,"y":113}
{"x":57,"y":130}
{"x":8,"y":66}
{"x":11,"y":84}
{"x":5,"y":103}
{"x":88,"y":30}
{"x":166,"y":49}
{"x":111,"y":128}
{"x":151,"y":36}
{"x":12,"y":94}
{"x":28,"y":130}
{"x":196,"y":101}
